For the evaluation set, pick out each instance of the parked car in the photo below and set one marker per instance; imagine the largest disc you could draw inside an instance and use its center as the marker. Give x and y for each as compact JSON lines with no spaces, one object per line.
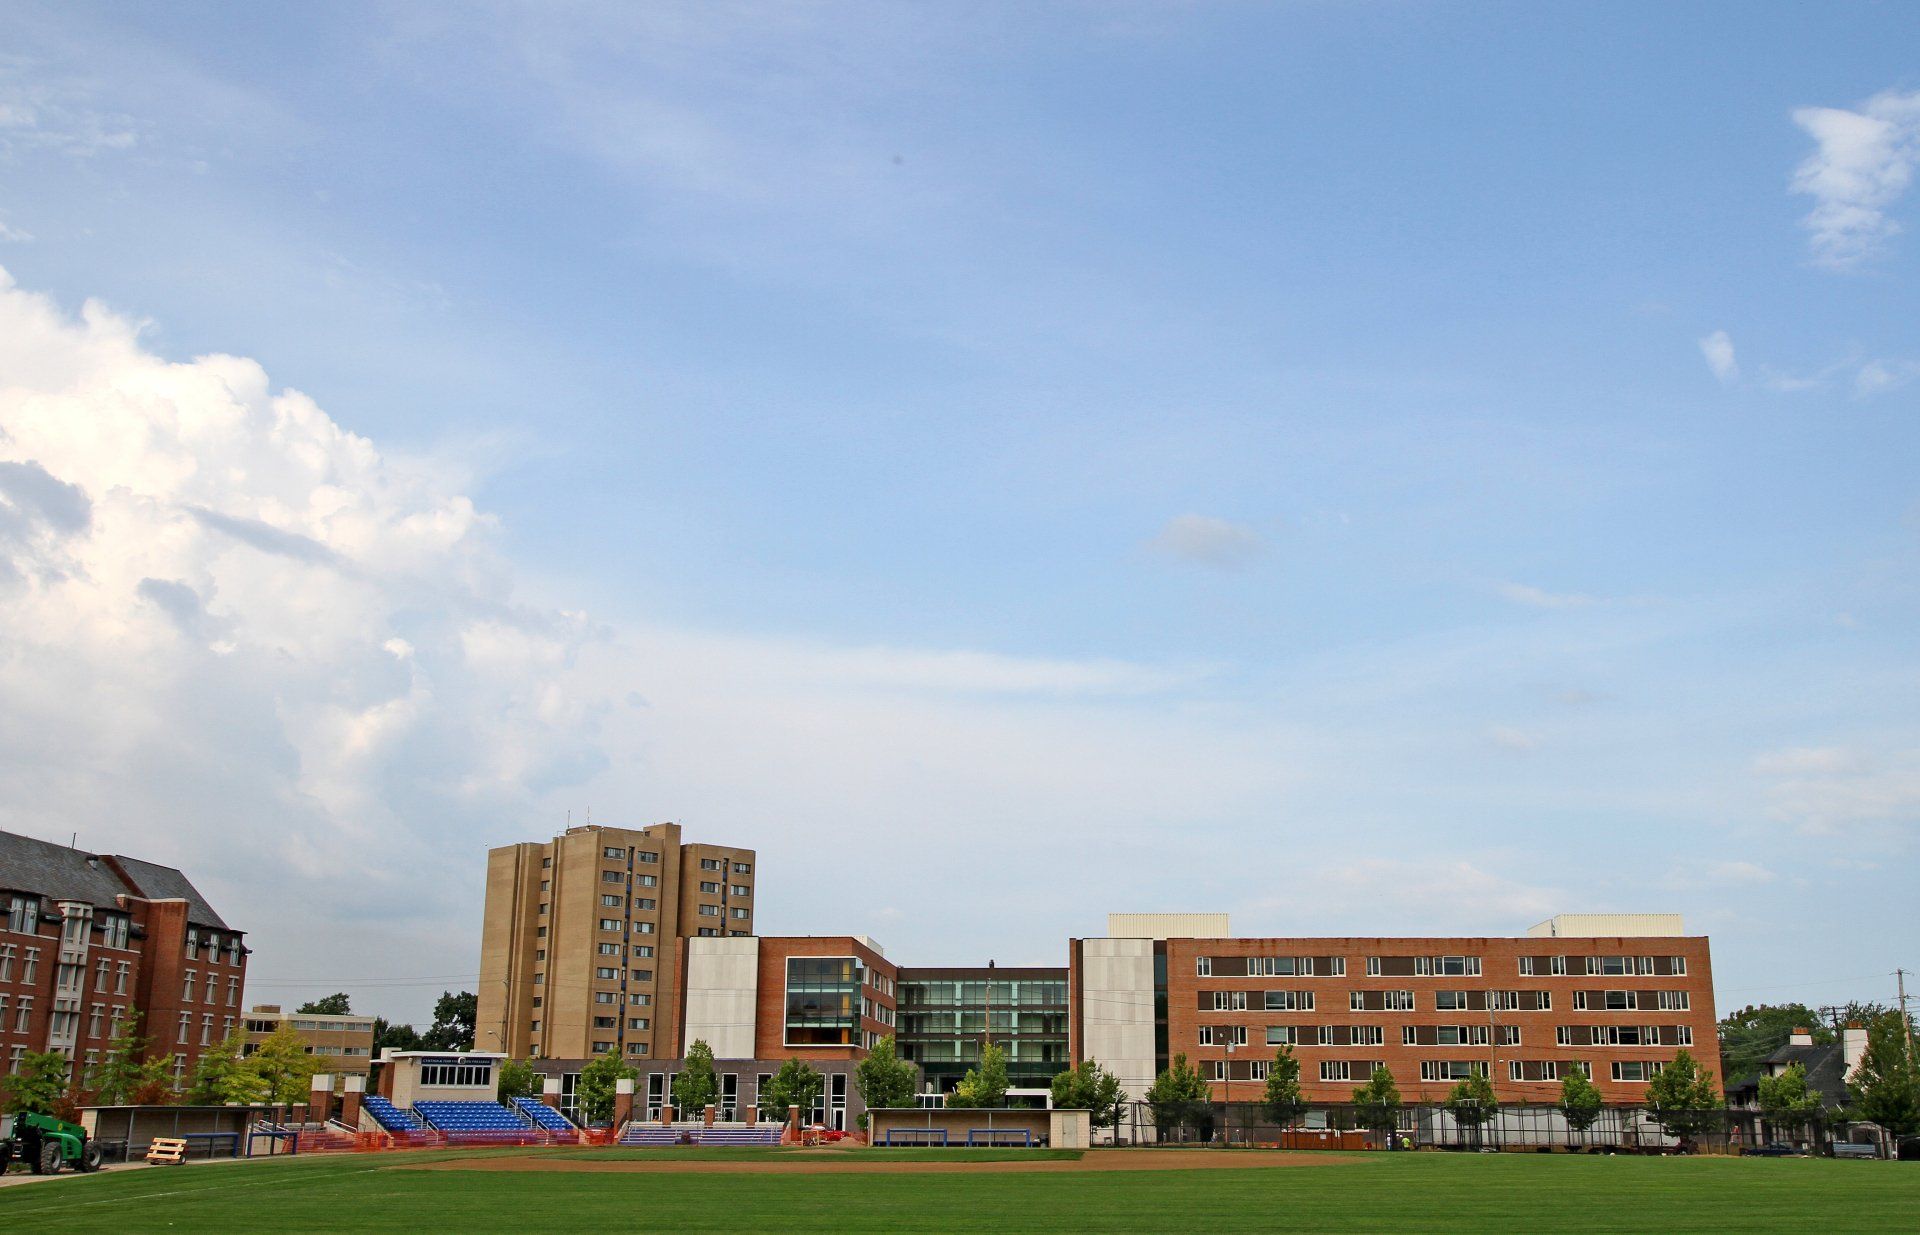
{"x":1774,"y":1149}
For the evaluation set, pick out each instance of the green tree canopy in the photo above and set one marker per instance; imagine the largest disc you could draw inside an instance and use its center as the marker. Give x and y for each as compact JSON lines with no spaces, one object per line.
{"x":1471,"y":1101}
{"x":986,"y":1085}
{"x":1886,"y":1087}
{"x":1786,"y":1098}
{"x":1580,"y":1101}
{"x":1178,"y":1097}
{"x":221,"y":1076}
{"x":453,"y":1021}
{"x":1282,"y":1100}
{"x":596,"y":1087}
{"x":1377,"y":1103}
{"x":883,"y":1078}
{"x":696,"y":1086}
{"x":40,"y":1085}
{"x":518,"y":1079}
{"x":797,"y":1083}
{"x":1088,"y":1086}
{"x":122,"y":1076}
{"x":391,"y":1037}
{"x":1683,"y":1097}
{"x":336,"y":1004}
{"x":1748,"y":1036}
{"x":283,"y":1065}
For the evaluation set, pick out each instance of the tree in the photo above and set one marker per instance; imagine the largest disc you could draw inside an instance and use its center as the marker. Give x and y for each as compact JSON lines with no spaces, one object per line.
{"x":1178,"y":1097}
{"x":221,"y":1075}
{"x":1282,"y":1101}
{"x":1748,"y":1036}
{"x":518,"y":1079}
{"x":453,"y":1020}
{"x":884,"y":1079}
{"x":1785,"y":1099}
{"x":1683,"y":1098}
{"x":283,"y":1064}
{"x":696,"y":1086}
{"x":40,"y":1085}
{"x":1579,"y":1100}
{"x":389,"y":1037}
{"x":1886,"y":1087}
{"x":797,"y":1083}
{"x":1471,"y":1101}
{"x":333,"y":1005}
{"x":121,"y":1076}
{"x":986,"y":1085}
{"x":596,"y":1086}
{"x":1090,"y":1087}
{"x":1377,"y":1103}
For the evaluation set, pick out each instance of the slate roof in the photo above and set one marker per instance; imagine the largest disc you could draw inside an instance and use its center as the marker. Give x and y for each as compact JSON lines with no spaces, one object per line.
{"x":1826,"y":1067}
{"x":64,"y":874}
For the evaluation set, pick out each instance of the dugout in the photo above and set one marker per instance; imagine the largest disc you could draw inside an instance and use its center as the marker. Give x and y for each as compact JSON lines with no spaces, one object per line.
{"x":960,"y":1126}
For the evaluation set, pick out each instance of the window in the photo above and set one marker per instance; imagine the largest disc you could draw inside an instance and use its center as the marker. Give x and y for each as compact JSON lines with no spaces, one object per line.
{"x":1557,"y":966}
{"x":709,"y":887}
{"x":30,"y":971}
{"x":186,"y":1022}
{"x":615,"y":852}
{"x":23,"y":915}
{"x":6,"y":962}
{"x":643,"y":928}
{"x":1257,"y":1069}
{"x":1679,"y":965}
{"x":206,"y":1029}
{"x":1337,"y":967}
{"x":1563,"y":1035}
{"x":1289,"y":1001}
{"x":606,"y":1022}
{"x":1449,"y":1001}
{"x":546,"y":885}
{"x":1216,"y":1069}
{"x":1373,"y":966}
{"x":546,"y":863}
{"x":1398,"y":1001}
{"x":1682,"y":1035}
{"x":609,"y":924}
{"x":606,"y":974}
{"x":741,"y":911}
{"x":1543,"y":1000}
{"x":639,"y":1022}
{"x":120,"y":973}
{"x":467,"y":1074}
{"x":607,"y":899}
{"x":647,"y":881}
{"x":1526,"y":966}
{"x":1450,"y":1069}
{"x":187,"y":985}
{"x":1229,"y":1001}
{"x":641,"y":975}
{"x":1621,"y":1001}
{"x":1409,"y":1036}
{"x":1632,"y":1070}
{"x":1356,"y":1001}
{"x":1609,"y":966}
{"x":1503,"y":1001}
{"x":193,"y":948}
{"x":609,"y":949}
{"x":1282,"y":1035}
{"x":1369,"y":1035}
{"x":709,"y":911}
{"x":1335,"y":1070}
{"x":743,"y":868}
{"x":613,"y":876}
{"x":641,"y":855}
{"x":603,"y":997}
{"x":1579,"y":1001}
{"x":645,"y":903}
{"x":740,"y":889}
{"x":712,"y":864}
{"x":1203,"y":966}
{"x":640,"y":1000}
{"x":95,"y":1015}
{"x":643,"y":950}
{"x":1223,"y":1035}
{"x":1674,"y":1001}
{"x":1456,"y":966}
{"x":1279,"y":966}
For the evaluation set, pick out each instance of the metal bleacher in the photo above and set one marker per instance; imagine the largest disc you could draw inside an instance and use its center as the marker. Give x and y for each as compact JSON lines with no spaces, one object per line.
{"x":476,"y":1121}
{"x":543,"y":1116}
{"x":391,"y":1117}
{"x":697,"y":1133}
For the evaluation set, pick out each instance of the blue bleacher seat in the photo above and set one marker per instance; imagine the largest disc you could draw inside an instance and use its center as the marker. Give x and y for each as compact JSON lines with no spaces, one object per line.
{"x":470,"y":1117}
{"x":389,"y":1116}
{"x":542,"y":1115}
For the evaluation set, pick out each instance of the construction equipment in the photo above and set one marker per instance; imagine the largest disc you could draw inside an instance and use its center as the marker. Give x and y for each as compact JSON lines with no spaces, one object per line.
{"x":46,"y":1144}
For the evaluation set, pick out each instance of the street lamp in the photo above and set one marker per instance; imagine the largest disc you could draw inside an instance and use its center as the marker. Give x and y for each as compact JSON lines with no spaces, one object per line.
{"x":1226,"y":1095}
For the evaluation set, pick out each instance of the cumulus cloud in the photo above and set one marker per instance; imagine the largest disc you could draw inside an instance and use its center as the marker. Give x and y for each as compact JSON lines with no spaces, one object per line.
{"x":1877,"y":377}
{"x":1718,"y":350}
{"x":1862,"y":163}
{"x":1207,"y":541}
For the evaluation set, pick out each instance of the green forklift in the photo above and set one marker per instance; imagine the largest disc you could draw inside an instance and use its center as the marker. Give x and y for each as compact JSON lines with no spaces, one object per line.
{"x":46,"y":1144}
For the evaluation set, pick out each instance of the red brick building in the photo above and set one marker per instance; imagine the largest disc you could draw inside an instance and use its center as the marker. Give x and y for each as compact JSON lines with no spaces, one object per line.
{"x":86,"y":939}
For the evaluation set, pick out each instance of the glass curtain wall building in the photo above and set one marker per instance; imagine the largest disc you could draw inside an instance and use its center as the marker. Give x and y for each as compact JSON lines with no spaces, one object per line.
{"x":948,"y":1015}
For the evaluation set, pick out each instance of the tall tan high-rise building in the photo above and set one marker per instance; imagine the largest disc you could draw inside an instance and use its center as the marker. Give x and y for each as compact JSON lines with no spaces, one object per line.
{"x":579,"y":951}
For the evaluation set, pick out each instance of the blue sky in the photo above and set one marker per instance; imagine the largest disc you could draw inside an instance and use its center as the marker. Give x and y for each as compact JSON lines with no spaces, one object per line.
{"x":1367,"y":467}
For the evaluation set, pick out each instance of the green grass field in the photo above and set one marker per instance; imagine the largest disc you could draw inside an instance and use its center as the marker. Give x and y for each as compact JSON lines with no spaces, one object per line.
{"x":1370,"y":1192}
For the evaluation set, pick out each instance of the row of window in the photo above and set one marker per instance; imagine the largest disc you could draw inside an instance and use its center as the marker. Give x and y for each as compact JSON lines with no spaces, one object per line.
{"x":1447,"y":1035}
{"x":190,"y":977}
{"x":1452,"y":1001}
{"x":617,"y":853}
{"x":23,"y":918}
{"x":212,"y":944}
{"x":1629,"y":1071}
{"x":1426,"y":966}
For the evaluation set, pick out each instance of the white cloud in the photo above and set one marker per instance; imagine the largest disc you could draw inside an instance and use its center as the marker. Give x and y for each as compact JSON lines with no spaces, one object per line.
{"x":1863,"y":162}
{"x":1880,"y":376}
{"x":1718,"y":349}
{"x":13,"y":235}
{"x":1827,"y":790}
{"x":1207,"y":541}
{"x":1442,"y":894}
{"x":1540,"y":598}
{"x":1508,"y":738}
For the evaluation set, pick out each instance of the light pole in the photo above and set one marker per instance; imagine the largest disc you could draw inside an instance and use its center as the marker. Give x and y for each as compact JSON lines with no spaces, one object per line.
{"x":1226,"y":1094}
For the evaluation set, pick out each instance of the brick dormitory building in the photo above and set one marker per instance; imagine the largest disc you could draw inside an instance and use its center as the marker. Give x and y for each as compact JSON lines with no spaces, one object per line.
{"x":563,"y":980}
{"x":88,"y":938}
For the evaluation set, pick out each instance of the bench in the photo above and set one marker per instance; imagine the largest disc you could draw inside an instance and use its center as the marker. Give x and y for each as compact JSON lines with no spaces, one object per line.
{"x":167,"y":1151}
{"x":915,"y":1136}
{"x":1000,"y":1136}
{"x":1855,"y":1149}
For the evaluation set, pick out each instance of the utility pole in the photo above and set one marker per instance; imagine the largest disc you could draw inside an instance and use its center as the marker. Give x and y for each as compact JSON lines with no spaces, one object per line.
{"x":1900,"y":981}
